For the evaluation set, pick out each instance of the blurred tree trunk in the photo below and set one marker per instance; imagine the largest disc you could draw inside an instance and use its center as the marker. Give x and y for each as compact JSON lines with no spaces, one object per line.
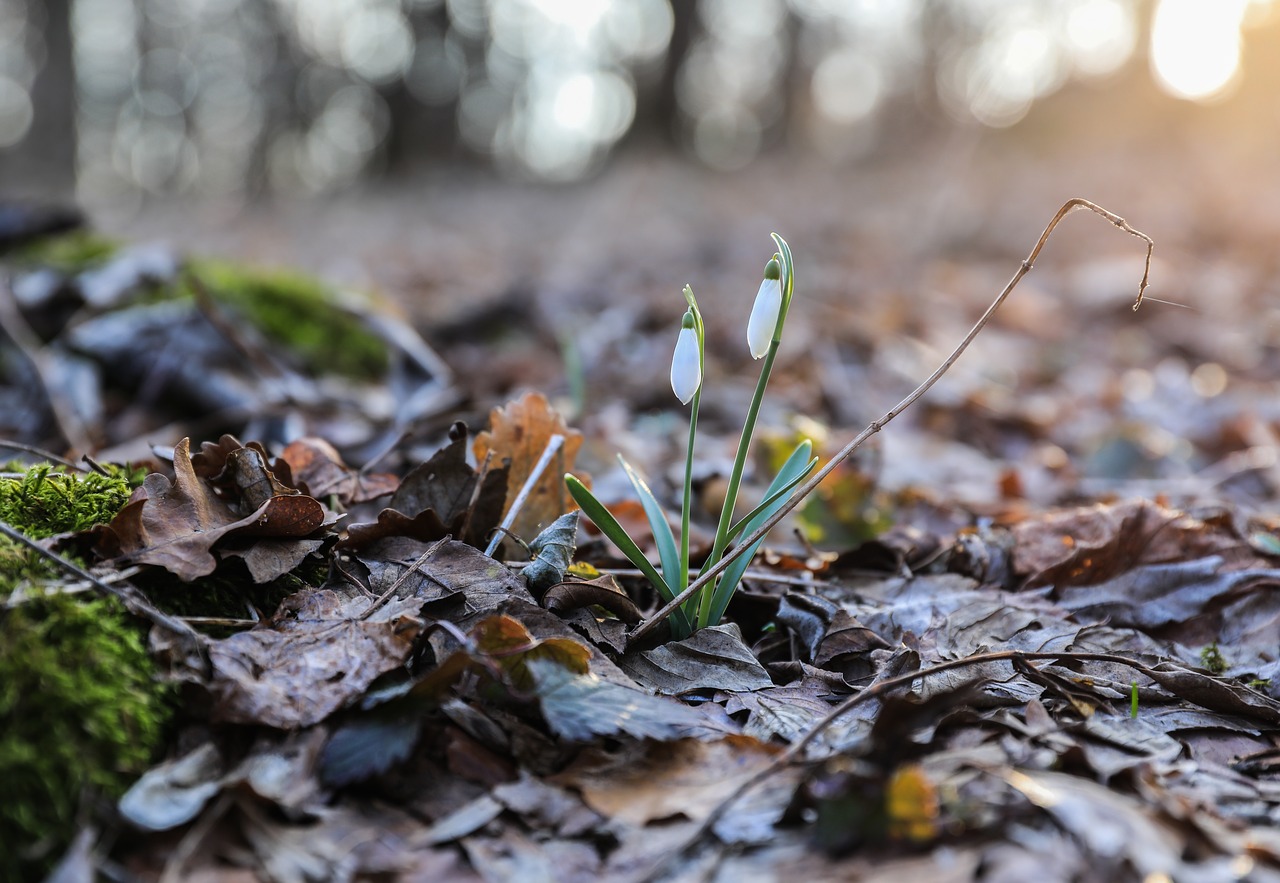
{"x":657,"y":104}
{"x":43,"y":164}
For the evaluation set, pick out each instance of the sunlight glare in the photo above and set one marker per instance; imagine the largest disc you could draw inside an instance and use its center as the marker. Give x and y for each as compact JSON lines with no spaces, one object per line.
{"x":1195,"y":46}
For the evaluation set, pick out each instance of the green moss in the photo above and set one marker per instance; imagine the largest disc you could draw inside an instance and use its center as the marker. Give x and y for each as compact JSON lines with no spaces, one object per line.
{"x":297,"y":312}
{"x":43,"y":502}
{"x":81,"y":710}
{"x":1212,"y":659}
{"x":68,"y":253}
{"x":80,"y":713}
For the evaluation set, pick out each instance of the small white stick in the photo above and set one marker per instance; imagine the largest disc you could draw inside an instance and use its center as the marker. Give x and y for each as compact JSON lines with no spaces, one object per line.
{"x":553,"y":445}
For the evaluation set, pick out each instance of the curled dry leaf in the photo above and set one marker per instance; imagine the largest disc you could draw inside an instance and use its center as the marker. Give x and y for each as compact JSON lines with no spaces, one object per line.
{"x":552,"y":553}
{"x":603,"y":591}
{"x":175,"y":524}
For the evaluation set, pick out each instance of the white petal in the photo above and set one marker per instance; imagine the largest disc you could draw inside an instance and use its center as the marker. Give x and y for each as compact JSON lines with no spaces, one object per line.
{"x":686,"y":368}
{"x":764,"y":317}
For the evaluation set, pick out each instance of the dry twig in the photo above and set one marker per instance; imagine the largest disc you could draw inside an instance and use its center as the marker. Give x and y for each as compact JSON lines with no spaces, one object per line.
{"x":816,"y":479}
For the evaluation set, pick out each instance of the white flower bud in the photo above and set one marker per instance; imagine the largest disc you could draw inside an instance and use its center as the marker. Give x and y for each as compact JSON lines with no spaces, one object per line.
{"x":686,"y":363}
{"x":764,"y":314}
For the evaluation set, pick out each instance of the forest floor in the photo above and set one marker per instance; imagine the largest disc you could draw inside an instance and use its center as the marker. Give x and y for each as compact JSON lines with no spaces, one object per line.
{"x":1044,"y":599}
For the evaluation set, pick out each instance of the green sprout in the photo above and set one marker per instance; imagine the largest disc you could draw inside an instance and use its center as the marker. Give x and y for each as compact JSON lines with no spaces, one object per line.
{"x":764,"y":334}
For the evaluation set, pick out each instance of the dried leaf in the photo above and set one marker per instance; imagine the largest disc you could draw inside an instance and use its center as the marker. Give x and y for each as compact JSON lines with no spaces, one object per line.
{"x":518,"y":435}
{"x":552,"y":553}
{"x":603,"y":591}
{"x":686,"y":778}
{"x":578,"y":706}
{"x":318,"y":470}
{"x":269,"y":559}
{"x":1154,"y":596}
{"x":436,"y":499}
{"x":454,"y":574}
{"x":175,"y":524}
{"x":710,"y":659}
{"x":304,"y":667}
{"x":174,"y":792}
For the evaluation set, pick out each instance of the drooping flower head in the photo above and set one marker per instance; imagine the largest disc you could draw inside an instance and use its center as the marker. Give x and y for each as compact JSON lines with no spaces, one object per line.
{"x":686,"y":362}
{"x":764,"y":314}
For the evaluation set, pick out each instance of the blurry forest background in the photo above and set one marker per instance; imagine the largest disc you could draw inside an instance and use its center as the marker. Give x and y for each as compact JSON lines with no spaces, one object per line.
{"x":119,"y":101}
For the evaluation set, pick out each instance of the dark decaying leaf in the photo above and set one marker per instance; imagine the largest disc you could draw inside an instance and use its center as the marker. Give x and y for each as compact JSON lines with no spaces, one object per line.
{"x":1154,"y":596}
{"x":579,"y":706}
{"x":808,"y":617}
{"x":370,"y":744}
{"x":373,"y":740}
{"x":436,"y":499}
{"x":552,"y":552}
{"x":1090,"y":545}
{"x":269,"y":559}
{"x":603,"y":591}
{"x":175,"y":524}
{"x":304,"y":666}
{"x":710,"y":659}
{"x":318,"y":470}
{"x":828,"y":634}
{"x":457,"y":580}
{"x":661,"y":781}
{"x":1216,"y":693}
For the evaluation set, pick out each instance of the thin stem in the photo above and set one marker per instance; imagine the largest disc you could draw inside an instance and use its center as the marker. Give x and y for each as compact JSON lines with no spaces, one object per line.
{"x":553,"y":445}
{"x":715,"y":568}
{"x":130,"y":597}
{"x":687,"y":502}
{"x":731,"y":494}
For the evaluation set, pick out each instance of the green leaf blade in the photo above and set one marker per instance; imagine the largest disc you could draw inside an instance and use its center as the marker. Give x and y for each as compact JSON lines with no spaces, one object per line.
{"x":792,"y":472}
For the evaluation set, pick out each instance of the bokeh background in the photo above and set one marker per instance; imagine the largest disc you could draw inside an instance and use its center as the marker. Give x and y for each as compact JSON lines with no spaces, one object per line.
{"x":120,"y":101}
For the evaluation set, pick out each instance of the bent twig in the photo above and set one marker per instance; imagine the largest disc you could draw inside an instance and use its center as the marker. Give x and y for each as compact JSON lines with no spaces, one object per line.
{"x":809,"y":486}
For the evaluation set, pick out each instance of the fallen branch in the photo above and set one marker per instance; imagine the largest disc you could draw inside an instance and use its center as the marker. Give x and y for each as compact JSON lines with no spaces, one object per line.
{"x":132,"y":599}
{"x":812,"y":483}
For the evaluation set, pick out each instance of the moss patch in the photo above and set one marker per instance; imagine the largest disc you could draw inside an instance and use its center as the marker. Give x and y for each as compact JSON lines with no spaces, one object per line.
{"x":69,"y":253}
{"x":80,"y":713}
{"x":298,"y":313}
{"x":81,"y":710}
{"x":44,"y":502}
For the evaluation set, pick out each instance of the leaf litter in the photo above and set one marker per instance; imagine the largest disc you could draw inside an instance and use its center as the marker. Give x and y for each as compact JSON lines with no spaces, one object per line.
{"x":953,"y":700}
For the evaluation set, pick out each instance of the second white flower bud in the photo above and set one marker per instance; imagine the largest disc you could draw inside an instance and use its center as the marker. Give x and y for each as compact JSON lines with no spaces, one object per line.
{"x":686,"y":362}
{"x":764,"y":314}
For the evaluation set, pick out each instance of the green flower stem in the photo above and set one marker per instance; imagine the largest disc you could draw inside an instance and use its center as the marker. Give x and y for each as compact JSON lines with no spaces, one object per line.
{"x":735,"y":481}
{"x":687,"y":504}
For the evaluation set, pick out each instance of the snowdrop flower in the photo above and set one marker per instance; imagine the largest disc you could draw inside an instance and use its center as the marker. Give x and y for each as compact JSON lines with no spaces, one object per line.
{"x":686,"y":363}
{"x":764,"y":315}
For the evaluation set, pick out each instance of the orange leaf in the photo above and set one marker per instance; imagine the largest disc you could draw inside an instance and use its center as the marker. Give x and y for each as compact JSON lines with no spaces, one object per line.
{"x":519,"y":433}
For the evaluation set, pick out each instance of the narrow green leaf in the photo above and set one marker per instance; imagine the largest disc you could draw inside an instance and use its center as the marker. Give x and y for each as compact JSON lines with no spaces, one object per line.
{"x":662,"y":535}
{"x":618,"y":535}
{"x":798,"y":464}
{"x":770,"y":499}
{"x":603,"y":518}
